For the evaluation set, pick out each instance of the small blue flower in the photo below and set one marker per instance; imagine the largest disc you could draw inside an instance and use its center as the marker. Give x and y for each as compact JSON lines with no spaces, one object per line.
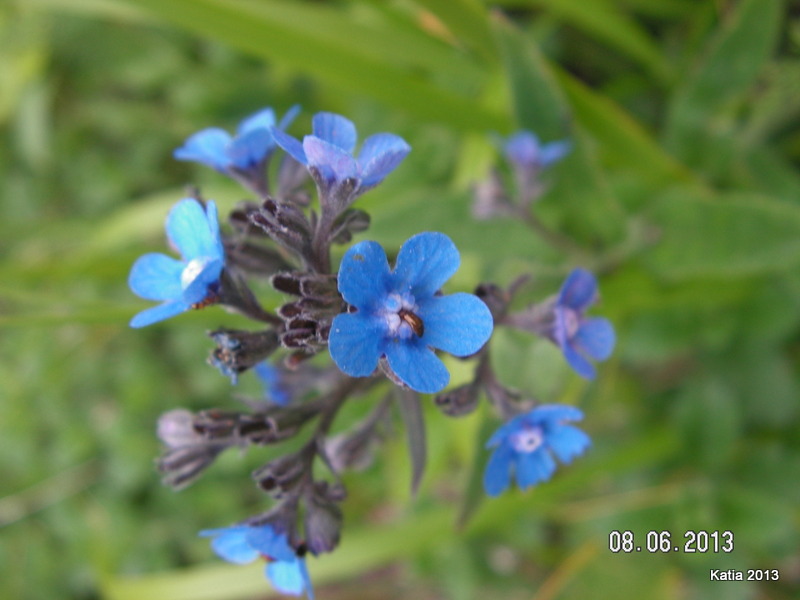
{"x":248,"y":150}
{"x":524,"y":150}
{"x":577,"y":336}
{"x":242,"y":544}
{"x":400,"y":317}
{"x":274,"y":387}
{"x":523,"y":446}
{"x":182,"y":284}
{"x":329,"y":150}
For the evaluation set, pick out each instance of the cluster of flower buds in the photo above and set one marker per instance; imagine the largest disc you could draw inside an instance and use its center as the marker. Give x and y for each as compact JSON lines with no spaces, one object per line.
{"x":379,"y":323}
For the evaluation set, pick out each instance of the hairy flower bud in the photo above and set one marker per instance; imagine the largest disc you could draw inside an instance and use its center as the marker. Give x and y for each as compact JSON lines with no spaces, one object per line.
{"x":238,"y":351}
{"x":323,"y":524}
{"x":459,"y":401}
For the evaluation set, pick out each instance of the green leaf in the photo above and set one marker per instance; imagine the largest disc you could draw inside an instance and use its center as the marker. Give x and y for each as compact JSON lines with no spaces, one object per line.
{"x":622,"y":138}
{"x":735,"y":57}
{"x":280,"y":32}
{"x":474,"y":495}
{"x":467,"y":20}
{"x":604,"y":21}
{"x":411,"y":411}
{"x":734,"y":235}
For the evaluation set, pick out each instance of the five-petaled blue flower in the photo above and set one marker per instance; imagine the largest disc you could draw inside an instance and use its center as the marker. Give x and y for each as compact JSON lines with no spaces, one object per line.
{"x":577,"y":336}
{"x":523,"y":447}
{"x":248,"y":150}
{"x":329,"y":151}
{"x":181,"y":284}
{"x":400,"y":317}
{"x":523,"y":150}
{"x":243,"y":544}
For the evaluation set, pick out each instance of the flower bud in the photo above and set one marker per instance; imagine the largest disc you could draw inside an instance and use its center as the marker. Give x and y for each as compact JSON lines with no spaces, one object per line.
{"x":323,"y":524}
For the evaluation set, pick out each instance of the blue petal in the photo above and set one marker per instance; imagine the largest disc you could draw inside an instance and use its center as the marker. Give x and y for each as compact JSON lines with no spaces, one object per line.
{"x":379,"y":156}
{"x":159,"y":313}
{"x":506,"y":430}
{"x":497,"y":475}
{"x":364,"y":275}
{"x":336,"y":130}
{"x":579,"y":290}
{"x":196,"y":289}
{"x":291,"y":145}
{"x":553,"y":414}
{"x":596,"y":337}
{"x":215,"y":248}
{"x":576,"y":360}
{"x":270,"y":543}
{"x":355,"y":344}
{"x":270,"y":376}
{"x":568,"y":442}
{"x":231,"y":544}
{"x":534,"y":467}
{"x":335,"y":164}
{"x":459,"y":323}
{"x":193,"y":231}
{"x":208,"y":146}
{"x":156,"y":277}
{"x":523,"y":148}
{"x":425,"y":262}
{"x":289,"y":577}
{"x":289,"y":117}
{"x":416,"y":365}
{"x":554,"y":151}
{"x":250,"y":149}
{"x":263,"y":119}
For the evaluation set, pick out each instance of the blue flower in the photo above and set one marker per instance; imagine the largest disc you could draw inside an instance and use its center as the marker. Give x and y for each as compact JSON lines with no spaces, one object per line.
{"x":524,"y":150}
{"x":329,"y":151}
{"x":271,"y":378}
{"x":523,"y":446}
{"x":577,"y":336}
{"x":246,"y":151}
{"x":242,"y":544}
{"x":400,"y":317}
{"x":181,"y":284}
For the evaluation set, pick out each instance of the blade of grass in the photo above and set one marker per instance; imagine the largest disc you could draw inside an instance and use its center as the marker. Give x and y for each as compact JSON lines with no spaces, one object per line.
{"x":262,"y":30}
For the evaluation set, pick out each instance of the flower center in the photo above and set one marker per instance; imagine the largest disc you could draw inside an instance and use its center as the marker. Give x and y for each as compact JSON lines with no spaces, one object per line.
{"x":571,"y":322}
{"x":192,"y":270}
{"x":401,"y":319}
{"x":527,"y":440}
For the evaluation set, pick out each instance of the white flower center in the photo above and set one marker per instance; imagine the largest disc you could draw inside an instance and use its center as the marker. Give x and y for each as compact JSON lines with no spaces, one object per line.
{"x":571,"y":322}
{"x":192,"y":270}
{"x":527,"y":440}
{"x":399,"y":312}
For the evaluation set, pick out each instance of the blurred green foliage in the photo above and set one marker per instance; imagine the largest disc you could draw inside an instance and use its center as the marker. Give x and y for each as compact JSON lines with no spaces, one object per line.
{"x":683,"y":192}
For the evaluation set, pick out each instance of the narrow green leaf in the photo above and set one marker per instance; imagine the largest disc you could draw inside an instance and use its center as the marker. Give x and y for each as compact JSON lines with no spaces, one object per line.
{"x":467,"y":20}
{"x":267,"y":30}
{"x":735,"y":56}
{"x":727,"y":236}
{"x":474,"y":495}
{"x":607,"y":23}
{"x":777,"y":102}
{"x":372,"y":34}
{"x":622,"y":138}
{"x":108,"y":9}
{"x":411,"y":411}
{"x":538,"y":102}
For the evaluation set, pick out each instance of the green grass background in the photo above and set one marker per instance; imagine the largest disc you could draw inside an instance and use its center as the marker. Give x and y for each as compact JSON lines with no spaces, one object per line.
{"x":683,"y":192}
